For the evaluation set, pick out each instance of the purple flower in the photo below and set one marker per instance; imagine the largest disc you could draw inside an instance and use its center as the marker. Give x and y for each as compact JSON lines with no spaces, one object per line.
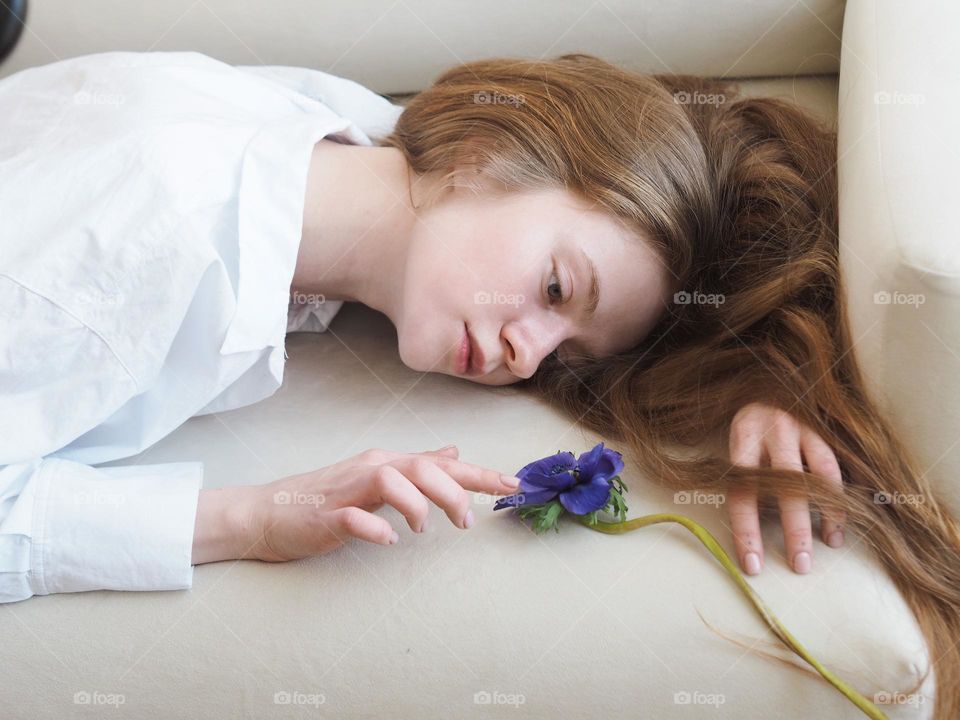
{"x":582,"y":485}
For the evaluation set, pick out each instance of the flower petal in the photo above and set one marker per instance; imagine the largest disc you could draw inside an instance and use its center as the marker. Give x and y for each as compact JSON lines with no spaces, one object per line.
{"x":543,"y":466}
{"x":553,"y":472}
{"x":557,"y":483}
{"x":525,"y":498}
{"x":586,"y":497}
{"x":599,"y":462}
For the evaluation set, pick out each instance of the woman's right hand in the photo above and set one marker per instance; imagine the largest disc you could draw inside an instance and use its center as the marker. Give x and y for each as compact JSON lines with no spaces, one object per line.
{"x":315,"y":512}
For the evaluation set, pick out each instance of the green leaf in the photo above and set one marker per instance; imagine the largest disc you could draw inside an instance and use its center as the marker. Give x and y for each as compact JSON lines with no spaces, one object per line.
{"x":544,"y":515}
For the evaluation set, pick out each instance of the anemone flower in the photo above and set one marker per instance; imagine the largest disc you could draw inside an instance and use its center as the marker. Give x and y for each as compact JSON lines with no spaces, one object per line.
{"x":581,"y":486}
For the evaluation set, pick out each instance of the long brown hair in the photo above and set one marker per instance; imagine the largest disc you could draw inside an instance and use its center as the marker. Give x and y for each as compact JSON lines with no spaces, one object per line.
{"x":739,"y":197}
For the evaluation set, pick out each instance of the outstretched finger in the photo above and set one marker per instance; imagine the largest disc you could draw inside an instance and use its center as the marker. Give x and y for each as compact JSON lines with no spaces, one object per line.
{"x":477,"y":478}
{"x":448,"y":451}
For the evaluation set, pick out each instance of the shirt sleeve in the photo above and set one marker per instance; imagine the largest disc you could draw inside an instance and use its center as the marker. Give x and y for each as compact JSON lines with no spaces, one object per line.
{"x":66,"y":526}
{"x":69,"y":527}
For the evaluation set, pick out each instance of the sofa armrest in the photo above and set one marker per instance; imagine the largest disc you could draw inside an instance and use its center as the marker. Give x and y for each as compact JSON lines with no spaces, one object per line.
{"x":899,"y":108}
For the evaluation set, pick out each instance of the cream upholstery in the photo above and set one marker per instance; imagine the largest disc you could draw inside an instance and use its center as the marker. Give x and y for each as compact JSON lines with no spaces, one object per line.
{"x":577,"y":623}
{"x":396,"y":47}
{"x":899,"y":114}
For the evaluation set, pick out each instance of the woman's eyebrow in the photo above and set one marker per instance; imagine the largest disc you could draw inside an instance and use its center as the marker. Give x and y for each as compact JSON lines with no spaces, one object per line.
{"x":593,"y":293}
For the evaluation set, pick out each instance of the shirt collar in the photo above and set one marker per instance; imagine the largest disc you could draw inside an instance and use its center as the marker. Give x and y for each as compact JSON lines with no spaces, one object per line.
{"x":270,"y":203}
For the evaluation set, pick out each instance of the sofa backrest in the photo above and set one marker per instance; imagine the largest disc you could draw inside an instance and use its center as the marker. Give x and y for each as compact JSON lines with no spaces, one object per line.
{"x":400,"y":46}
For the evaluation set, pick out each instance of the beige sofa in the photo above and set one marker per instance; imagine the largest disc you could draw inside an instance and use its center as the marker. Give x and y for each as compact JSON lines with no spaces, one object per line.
{"x":496,"y":620}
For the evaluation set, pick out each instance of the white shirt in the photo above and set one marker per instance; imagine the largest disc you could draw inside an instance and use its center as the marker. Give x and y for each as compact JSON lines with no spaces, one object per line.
{"x":151,"y":207}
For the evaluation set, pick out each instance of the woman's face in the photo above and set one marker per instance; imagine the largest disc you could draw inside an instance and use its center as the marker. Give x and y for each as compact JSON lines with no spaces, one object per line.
{"x":498,"y":265}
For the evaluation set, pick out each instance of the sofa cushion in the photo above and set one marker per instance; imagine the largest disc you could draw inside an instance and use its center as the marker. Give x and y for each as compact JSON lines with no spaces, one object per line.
{"x":446,"y":623}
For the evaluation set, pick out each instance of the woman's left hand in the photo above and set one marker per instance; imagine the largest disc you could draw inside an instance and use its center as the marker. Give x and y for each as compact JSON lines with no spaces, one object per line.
{"x":761,"y":433}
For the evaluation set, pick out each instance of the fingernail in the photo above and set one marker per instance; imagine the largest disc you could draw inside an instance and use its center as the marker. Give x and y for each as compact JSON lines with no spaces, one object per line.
{"x":801,"y":562}
{"x":752,"y":562}
{"x":468,"y":520}
{"x":446,"y":447}
{"x":394,"y":538}
{"x":424,"y":524}
{"x":510,"y":480}
{"x":835,"y":539}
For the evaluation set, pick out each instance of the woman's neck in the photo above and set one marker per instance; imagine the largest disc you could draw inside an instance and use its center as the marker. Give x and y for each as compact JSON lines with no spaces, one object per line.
{"x":357,"y":221}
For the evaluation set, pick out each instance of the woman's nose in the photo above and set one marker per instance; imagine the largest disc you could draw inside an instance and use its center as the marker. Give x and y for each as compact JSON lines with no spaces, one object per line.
{"x":524,"y":348}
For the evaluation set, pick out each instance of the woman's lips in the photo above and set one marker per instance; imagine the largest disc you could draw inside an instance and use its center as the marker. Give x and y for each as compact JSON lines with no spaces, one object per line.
{"x":477,"y":360}
{"x":463,"y":353}
{"x":470,"y":358}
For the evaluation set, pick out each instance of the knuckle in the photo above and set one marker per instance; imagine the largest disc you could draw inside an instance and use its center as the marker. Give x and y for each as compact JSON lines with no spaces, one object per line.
{"x":744,"y":429}
{"x":748,"y":410}
{"x":744,"y":450}
{"x":798,"y":536}
{"x":383,"y":477}
{"x":742,"y":511}
{"x":818,"y":450}
{"x":421,"y":465}
{"x":351,"y":519}
{"x":444,"y":463}
{"x":823,"y":458}
{"x":785,"y":459}
{"x":747,"y":538}
{"x":784,"y":427}
{"x":453,"y":499}
{"x":372,"y":456}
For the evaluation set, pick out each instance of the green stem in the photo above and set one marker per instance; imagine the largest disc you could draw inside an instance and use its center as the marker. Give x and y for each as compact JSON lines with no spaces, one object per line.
{"x":868,"y":708}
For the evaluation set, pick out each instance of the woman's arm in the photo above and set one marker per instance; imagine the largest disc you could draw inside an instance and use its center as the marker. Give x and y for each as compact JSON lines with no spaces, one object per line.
{"x":222,"y":527}
{"x":315,"y":512}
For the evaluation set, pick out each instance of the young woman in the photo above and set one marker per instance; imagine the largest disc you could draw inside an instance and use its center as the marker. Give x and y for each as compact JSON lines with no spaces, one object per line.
{"x":659,"y":267}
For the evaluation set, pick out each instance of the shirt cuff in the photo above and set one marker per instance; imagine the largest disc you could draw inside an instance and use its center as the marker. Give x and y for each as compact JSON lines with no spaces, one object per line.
{"x":113,"y":528}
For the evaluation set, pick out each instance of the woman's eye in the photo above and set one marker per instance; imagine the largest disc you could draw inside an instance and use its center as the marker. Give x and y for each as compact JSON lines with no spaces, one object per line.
{"x":555,"y":289}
